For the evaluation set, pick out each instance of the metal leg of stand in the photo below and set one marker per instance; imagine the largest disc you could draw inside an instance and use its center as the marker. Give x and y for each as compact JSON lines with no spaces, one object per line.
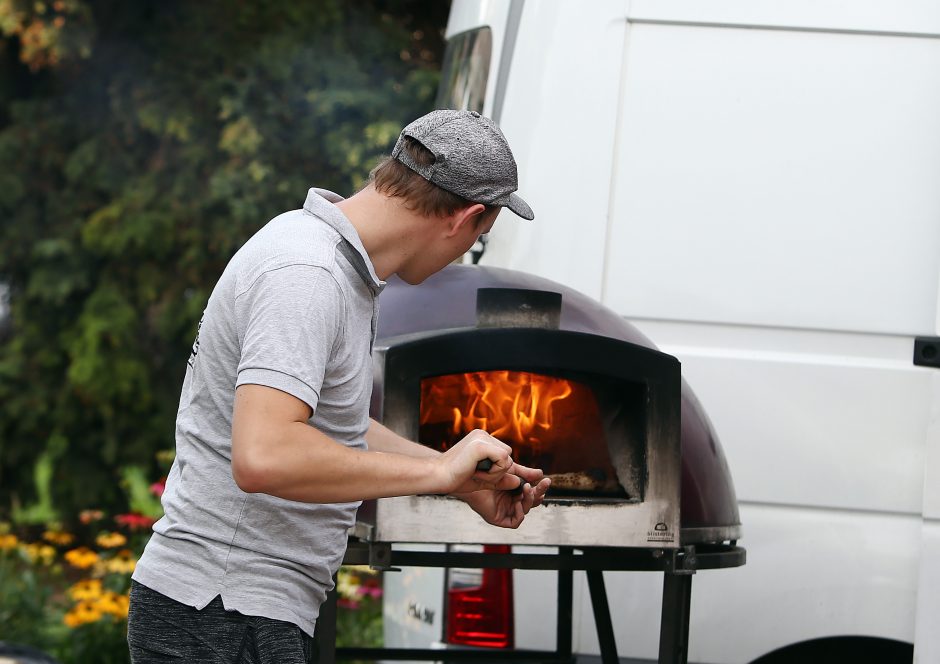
{"x":674,"y":628}
{"x":565,"y":603}
{"x":605,"y":629}
{"x":325,"y":636}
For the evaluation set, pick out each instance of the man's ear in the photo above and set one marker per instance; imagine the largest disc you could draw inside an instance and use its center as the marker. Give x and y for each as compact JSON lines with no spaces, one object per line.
{"x":459,"y":220}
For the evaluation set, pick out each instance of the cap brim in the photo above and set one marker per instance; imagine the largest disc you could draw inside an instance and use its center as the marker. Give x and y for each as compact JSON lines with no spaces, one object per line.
{"x":520,"y":207}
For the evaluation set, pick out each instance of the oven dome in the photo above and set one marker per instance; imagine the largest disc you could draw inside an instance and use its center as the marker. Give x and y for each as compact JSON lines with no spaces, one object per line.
{"x":448,"y":299}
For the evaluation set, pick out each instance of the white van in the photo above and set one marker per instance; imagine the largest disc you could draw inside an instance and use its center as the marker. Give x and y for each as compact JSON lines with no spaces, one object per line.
{"x":755,"y":184}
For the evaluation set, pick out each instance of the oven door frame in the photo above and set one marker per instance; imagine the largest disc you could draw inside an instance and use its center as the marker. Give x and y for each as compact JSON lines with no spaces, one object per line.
{"x":401,"y":362}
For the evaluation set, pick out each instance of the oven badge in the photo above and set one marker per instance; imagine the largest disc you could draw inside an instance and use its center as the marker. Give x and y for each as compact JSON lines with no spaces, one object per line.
{"x":660,"y":533}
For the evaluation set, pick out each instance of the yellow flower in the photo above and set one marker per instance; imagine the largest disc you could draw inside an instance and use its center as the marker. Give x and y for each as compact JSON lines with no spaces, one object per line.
{"x":111,"y":540}
{"x":58,"y":537}
{"x":98,"y":570}
{"x":47,"y":554}
{"x":124,"y":602}
{"x":346,"y":585}
{"x":89,"y":589}
{"x":82,"y":613}
{"x":113,"y":604}
{"x":8,"y":542}
{"x":122,"y":563}
{"x":37,"y":552}
{"x":82,"y":557}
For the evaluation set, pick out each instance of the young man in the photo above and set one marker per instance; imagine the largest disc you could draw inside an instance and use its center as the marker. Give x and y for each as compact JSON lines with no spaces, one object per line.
{"x":275,"y":447}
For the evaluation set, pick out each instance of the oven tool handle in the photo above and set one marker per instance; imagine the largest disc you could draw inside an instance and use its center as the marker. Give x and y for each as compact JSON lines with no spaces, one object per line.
{"x":485,"y":466}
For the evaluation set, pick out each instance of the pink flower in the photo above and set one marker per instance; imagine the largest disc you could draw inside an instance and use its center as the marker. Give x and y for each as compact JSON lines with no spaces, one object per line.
{"x":370,"y":591}
{"x":157,"y":488}
{"x":134,"y":521}
{"x":344,"y":603}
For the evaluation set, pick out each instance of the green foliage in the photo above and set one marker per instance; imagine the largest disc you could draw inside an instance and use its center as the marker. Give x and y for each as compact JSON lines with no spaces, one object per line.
{"x":42,"y":511}
{"x":140,"y":498}
{"x":103,"y":642}
{"x":360,"y":627}
{"x":25,"y":592}
{"x":141,"y":144}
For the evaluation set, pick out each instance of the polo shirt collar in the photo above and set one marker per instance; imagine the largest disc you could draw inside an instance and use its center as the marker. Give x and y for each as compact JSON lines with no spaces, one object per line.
{"x":321,"y":204}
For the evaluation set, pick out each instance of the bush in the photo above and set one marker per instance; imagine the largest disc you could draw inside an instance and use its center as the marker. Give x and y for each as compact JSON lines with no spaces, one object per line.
{"x":141,"y":144}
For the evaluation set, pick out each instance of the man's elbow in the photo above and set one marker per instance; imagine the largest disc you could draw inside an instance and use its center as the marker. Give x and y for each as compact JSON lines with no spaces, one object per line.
{"x":250,"y":470}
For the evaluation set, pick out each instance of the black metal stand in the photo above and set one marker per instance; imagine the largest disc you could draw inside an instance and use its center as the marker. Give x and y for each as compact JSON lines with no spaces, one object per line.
{"x":678,"y":566}
{"x":674,"y":625}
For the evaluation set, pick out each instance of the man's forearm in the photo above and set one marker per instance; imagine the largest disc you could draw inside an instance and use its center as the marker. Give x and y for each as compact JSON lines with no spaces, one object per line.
{"x":301,"y":463}
{"x":382,"y":439}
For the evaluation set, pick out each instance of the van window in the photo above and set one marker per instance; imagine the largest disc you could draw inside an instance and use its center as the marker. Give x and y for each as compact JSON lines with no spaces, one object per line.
{"x":465,"y":70}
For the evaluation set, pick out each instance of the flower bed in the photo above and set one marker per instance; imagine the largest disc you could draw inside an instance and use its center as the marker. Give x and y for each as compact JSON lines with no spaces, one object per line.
{"x":66,"y":591}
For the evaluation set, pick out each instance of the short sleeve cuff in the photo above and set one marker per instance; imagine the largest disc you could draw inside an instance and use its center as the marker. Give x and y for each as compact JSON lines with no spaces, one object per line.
{"x":279,"y":381}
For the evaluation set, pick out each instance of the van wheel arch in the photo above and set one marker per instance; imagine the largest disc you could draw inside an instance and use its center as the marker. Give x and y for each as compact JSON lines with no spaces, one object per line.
{"x":855,"y":649}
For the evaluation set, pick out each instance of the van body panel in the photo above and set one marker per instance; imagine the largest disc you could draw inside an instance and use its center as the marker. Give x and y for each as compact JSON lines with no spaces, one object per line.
{"x":932,"y":462}
{"x":806,"y":428}
{"x":787,"y":171}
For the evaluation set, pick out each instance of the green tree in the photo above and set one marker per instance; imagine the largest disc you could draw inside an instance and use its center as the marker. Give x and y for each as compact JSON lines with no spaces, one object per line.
{"x":140,"y":144}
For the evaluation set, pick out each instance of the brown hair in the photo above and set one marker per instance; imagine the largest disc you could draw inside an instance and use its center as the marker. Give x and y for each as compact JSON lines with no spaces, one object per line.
{"x":393,"y":178}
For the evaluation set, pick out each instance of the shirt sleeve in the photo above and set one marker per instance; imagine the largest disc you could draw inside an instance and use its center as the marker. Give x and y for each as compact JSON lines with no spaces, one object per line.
{"x":291,"y":318}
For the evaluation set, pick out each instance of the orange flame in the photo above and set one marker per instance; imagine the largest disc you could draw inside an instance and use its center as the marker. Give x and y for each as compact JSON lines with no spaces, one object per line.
{"x":512,"y":405}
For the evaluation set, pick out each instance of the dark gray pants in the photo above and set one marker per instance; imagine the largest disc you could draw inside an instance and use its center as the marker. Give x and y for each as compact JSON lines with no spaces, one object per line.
{"x":160,"y":629}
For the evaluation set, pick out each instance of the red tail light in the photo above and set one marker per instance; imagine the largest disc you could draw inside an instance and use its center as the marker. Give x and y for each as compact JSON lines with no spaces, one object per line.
{"x":480,"y":606}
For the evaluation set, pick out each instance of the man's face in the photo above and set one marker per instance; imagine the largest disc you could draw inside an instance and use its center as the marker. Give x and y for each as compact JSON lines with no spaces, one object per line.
{"x":442,"y":251}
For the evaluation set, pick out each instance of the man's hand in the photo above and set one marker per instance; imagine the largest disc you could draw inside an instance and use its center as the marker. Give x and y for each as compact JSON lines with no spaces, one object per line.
{"x":507,"y":509}
{"x":459,"y":464}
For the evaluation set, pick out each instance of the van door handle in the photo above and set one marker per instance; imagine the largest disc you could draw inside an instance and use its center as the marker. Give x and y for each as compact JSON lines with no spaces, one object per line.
{"x":927,"y":352}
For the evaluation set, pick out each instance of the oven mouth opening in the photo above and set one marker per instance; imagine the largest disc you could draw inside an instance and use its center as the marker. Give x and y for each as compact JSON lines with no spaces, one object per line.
{"x":577,"y":429}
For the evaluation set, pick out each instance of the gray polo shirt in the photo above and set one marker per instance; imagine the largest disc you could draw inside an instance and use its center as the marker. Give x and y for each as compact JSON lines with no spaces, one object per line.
{"x":295,"y":310}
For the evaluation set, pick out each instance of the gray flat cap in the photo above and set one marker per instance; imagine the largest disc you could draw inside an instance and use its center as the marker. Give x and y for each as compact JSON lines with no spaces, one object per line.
{"x":472,"y":158}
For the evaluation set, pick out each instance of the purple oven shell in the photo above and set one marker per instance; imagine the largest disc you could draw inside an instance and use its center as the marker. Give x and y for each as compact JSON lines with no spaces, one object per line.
{"x":447,"y":300}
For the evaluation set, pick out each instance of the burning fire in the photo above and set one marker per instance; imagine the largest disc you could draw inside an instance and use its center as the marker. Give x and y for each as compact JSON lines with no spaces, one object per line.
{"x":514,"y":405}
{"x":532,"y":412}
{"x":551,"y":423}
